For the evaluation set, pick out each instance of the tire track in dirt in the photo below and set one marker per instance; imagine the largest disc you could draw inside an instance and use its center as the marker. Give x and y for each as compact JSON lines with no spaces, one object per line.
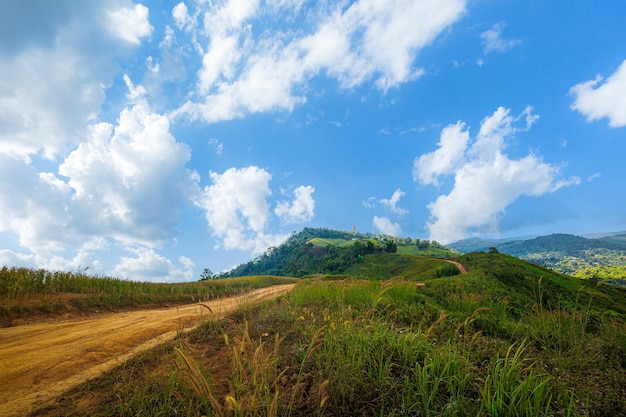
{"x":39,"y":362}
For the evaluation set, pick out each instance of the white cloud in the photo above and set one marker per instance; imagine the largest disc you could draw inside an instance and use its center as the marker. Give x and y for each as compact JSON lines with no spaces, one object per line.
{"x":130,"y":23}
{"x":385,"y":226}
{"x":493,"y":41}
{"x":218,"y":62}
{"x":392,"y":203}
{"x":55,"y":66}
{"x":452,"y":145}
{"x":486,"y":180}
{"x":594,"y":176}
{"x":147,"y":265}
{"x":597,"y":99}
{"x":33,"y":206}
{"x":10,"y":258}
{"x":236,"y":209}
{"x":130,"y":180}
{"x":47,"y":99}
{"x":180,"y":13}
{"x":219,"y":146}
{"x":83,"y":261}
{"x":301,"y":209}
{"x":245,"y":72}
{"x":123,"y":185}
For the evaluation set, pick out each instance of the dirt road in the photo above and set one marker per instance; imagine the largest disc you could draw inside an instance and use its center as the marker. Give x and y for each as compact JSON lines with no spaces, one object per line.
{"x":38,"y":362}
{"x":462,"y":269}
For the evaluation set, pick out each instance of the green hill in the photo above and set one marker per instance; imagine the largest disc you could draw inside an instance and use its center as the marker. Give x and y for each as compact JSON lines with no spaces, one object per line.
{"x":496,"y":276}
{"x":325,"y":251}
{"x":394,"y":335}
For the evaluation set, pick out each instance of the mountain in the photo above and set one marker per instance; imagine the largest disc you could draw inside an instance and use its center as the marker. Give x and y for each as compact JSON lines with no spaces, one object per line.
{"x":565,"y":253}
{"x":315,"y":250}
{"x":476,"y":244}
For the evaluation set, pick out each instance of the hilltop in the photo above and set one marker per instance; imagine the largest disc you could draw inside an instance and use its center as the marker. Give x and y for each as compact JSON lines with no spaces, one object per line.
{"x":326,"y":251}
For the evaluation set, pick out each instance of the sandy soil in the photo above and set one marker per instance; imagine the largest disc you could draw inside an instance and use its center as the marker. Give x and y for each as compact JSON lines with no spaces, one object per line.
{"x":39,"y":362}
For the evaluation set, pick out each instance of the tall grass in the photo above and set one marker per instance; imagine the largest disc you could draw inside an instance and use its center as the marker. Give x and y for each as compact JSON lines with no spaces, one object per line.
{"x":513,"y":388}
{"x":17,"y":283}
{"x":458,"y":346}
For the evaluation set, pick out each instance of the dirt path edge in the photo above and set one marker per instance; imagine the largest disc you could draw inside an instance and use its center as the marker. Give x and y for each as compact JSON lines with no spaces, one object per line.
{"x":39,"y":362}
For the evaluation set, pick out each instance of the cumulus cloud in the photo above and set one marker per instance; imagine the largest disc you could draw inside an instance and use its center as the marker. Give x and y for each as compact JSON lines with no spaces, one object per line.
{"x":452,"y":145}
{"x":494,"y":42}
{"x":130,"y":179}
{"x":147,"y":265}
{"x":245,"y":72}
{"x":301,"y":209}
{"x":599,"y":98}
{"x":237,"y":210}
{"x":130,"y":23}
{"x":385,"y":226}
{"x":82,"y":261}
{"x":486,"y":180}
{"x":33,"y":206}
{"x":8,"y":257}
{"x":52,"y":79}
{"x":123,"y":185}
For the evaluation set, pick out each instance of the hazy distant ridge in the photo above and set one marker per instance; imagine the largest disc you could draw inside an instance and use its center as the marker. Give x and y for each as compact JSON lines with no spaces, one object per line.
{"x":563,"y":252}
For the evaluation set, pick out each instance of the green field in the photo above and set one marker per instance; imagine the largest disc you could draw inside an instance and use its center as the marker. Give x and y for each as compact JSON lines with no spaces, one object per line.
{"x":506,"y":339}
{"x":433,"y":251}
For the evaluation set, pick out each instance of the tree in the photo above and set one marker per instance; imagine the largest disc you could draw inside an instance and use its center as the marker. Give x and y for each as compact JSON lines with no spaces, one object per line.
{"x":207,"y":274}
{"x":391,"y":246}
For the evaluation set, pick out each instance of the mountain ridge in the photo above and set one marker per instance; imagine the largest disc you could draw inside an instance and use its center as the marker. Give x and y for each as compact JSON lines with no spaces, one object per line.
{"x":566,"y":253}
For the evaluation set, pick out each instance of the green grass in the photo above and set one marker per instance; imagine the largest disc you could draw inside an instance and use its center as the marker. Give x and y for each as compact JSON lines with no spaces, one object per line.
{"x":506,"y":339}
{"x":432,"y":251}
{"x":324,"y":242}
{"x":22,"y":282}
{"x":382,"y":266}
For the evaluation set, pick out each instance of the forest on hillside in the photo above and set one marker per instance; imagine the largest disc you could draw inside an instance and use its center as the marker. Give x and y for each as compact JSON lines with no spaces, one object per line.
{"x":326,"y":251}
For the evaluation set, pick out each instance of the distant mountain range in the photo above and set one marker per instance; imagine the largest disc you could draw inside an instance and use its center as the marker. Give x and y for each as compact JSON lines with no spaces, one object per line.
{"x":562,"y":252}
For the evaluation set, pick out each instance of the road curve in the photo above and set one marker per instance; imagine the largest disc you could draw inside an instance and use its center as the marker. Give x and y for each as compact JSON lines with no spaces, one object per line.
{"x":39,"y":362}
{"x":462,"y":269}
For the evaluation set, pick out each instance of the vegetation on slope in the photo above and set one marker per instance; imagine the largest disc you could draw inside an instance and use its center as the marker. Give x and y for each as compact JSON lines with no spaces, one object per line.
{"x":325,"y":251}
{"x":564,"y":253}
{"x":28,"y":292}
{"x":506,"y":339}
{"x":611,"y":274}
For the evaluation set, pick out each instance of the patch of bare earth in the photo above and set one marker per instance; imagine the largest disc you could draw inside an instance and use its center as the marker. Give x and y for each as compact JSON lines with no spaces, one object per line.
{"x":39,"y":362}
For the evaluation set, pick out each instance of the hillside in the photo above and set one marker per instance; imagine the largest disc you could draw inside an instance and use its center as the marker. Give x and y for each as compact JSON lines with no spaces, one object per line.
{"x":564,"y":253}
{"x":325,"y":251}
{"x":392,"y":336}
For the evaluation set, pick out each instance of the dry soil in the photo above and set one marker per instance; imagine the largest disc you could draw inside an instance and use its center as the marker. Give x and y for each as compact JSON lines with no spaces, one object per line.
{"x":39,"y":362}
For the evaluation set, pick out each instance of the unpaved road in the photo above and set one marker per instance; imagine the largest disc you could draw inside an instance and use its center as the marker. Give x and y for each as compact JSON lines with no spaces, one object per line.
{"x":462,"y":269}
{"x":38,"y":362}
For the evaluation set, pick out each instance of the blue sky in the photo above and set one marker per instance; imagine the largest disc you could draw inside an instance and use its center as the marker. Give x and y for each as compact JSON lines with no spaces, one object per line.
{"x":151,"y":140}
